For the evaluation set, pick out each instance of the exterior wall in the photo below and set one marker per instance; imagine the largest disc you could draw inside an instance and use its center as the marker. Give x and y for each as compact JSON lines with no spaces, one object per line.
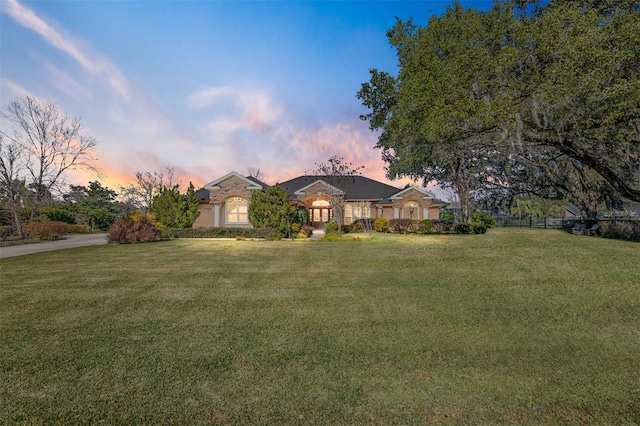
{"x":229,"y":188}
{"x":205,"y":219}
{"x":232,"y":187}
{"x":412,"y":195}
{"x":434,"y":213}
{"x":387,"y":211}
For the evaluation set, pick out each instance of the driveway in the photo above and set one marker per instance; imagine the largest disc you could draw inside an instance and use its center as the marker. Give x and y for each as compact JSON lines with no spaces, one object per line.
{"x":70,"y":241}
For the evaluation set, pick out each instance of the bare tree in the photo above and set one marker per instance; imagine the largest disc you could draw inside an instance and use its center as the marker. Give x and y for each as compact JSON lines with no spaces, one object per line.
{"x":255,"y":172}
{"x":338,"y":173}
{"x":49,"y":143}
{"x":148,"y":185}
{"x":10,"y":185}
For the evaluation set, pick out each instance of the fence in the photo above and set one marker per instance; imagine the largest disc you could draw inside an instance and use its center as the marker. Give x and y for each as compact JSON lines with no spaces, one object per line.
{"x":528,"y":222}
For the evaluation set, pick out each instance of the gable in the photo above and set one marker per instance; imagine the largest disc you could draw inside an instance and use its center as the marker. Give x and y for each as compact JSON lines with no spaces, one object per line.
{"x":319,"y":187}
{"x":412,"y":192}
{"x":233,"y":179}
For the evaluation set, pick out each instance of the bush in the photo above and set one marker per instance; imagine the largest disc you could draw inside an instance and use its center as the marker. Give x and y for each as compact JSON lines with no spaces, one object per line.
{"x":620,"y":229}
{"x":218,"y":233}
{"x":362,"y":224}
{"x":307,"y":230}
{"x":128,"y":231}
{"x":295,"y":228}
{"x":442,"y":226}
{"x":47,"y":230}
{"x":401,"y":226}
{"x":381,"y":224}
{"x":479,"y":228}
{"x":423,"y":227}
{"x":447,"y":216}
{"x":78,"y":229}
{"x":54,"y":214}
{"x":462,"y":228}
{"x":5,"y":231}
{"x":331,"y":228}
{"x":301,"y":217}
{"x":485,"y":219}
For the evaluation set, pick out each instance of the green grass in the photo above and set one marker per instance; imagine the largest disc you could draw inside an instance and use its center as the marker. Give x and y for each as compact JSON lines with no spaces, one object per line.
{"x":512,"y":327}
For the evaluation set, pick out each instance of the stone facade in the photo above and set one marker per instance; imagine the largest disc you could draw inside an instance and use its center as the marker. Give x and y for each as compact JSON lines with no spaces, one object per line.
{"x":214,"y":212}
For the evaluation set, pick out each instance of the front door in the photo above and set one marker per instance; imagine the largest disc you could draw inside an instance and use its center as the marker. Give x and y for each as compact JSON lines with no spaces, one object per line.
{"x":320,"y":216}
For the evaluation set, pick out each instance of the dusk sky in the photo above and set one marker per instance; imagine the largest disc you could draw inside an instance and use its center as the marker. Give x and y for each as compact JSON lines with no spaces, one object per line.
{"x":207,"y":87}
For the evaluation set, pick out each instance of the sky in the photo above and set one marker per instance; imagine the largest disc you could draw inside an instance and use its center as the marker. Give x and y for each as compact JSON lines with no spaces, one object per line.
{"x":207,"y":87}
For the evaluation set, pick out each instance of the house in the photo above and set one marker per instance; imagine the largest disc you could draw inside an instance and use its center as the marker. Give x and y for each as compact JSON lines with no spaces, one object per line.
{"x":224,"y":202}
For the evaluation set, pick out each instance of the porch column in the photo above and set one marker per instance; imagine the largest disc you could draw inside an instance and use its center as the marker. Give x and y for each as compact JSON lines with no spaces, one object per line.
{"x":396,"y":213}
{"x":216,"y":215}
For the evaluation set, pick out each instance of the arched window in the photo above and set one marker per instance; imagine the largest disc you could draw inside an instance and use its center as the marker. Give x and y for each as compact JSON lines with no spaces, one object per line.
{"x":320,"y":203}
{"x":411,"y":210}
{"x":237,"y":210}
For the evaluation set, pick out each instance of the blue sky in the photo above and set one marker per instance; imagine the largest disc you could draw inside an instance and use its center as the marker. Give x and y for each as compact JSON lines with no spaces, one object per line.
{"x":207,"y":87}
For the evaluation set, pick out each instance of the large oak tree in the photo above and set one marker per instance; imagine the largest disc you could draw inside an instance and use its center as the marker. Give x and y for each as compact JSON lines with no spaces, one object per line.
{"x":476,"y":90}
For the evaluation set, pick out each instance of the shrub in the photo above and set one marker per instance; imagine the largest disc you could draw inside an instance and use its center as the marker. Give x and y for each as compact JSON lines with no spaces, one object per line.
{"x":331,"y":228}
{"x":381,"y":224}
{"x":443,"y":226}
{"x":401,"y":226}
{"x":47,"y":230}
{"x":479,"y":228}
{"x":307,"y":230}
{"x":462,"y":228}
{"x":119,"y":230}
{"x":423,"y":227}
{"x":447,"y":216}
{"x":5,"y":231}
{"x":302,"y":216}
{"x":620,"y":229}
{"x":217,"y":233}
{"x":78,"y":229}
{"x":362,"y":224}
{"x":484,"y":218}
{"x":128,"y":231}
{"x":295,"y":228}
{"x":144,"y":230}
{"x":55,"y":214}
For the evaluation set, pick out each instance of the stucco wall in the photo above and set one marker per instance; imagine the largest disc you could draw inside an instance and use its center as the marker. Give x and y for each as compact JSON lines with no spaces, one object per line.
{"x":228,"y":188}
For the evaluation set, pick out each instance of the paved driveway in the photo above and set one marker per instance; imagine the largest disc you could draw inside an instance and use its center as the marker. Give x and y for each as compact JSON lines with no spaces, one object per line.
{"x":74,"y":240}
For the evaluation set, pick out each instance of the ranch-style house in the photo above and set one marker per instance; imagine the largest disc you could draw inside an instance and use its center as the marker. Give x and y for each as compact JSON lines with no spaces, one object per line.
{"x":224,"y":202}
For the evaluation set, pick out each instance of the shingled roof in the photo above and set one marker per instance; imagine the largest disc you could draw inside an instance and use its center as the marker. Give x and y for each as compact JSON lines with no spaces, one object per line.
{"x":356,"y":187}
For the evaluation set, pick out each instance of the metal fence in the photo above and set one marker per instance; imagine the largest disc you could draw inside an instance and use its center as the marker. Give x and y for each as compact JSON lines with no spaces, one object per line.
{"x":528,"y":222}
{"x":549,"y":222}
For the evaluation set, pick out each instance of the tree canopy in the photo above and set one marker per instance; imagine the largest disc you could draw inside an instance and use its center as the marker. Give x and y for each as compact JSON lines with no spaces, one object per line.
{"x":93,"y":205}
{"x":271,"y":209}
{"x":506,"y":100}
{"x":39,"y":144}
{"x":172,"y":209}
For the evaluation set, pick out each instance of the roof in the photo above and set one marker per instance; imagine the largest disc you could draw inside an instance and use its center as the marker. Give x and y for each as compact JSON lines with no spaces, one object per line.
{"x":252,"y":182}
{"x":573,"y":209}
{"x":356,"y":187}
{"x":203,"y":195}
{"x":258,"y":181}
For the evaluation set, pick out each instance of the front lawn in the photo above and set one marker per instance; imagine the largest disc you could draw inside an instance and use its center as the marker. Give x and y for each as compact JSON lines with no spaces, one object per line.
{"x":513,"y":327}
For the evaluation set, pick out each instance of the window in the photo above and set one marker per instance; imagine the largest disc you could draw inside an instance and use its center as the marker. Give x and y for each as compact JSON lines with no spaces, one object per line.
{"x":361,"y":210}
{"x":411,"y":210}
{"x":237,"y":210}
{"x":320,"y":203}
{"x":347,"y":214}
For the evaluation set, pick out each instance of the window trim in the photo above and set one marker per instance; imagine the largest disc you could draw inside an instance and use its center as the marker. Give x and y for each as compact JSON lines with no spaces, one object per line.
{"x":227,"y":212}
